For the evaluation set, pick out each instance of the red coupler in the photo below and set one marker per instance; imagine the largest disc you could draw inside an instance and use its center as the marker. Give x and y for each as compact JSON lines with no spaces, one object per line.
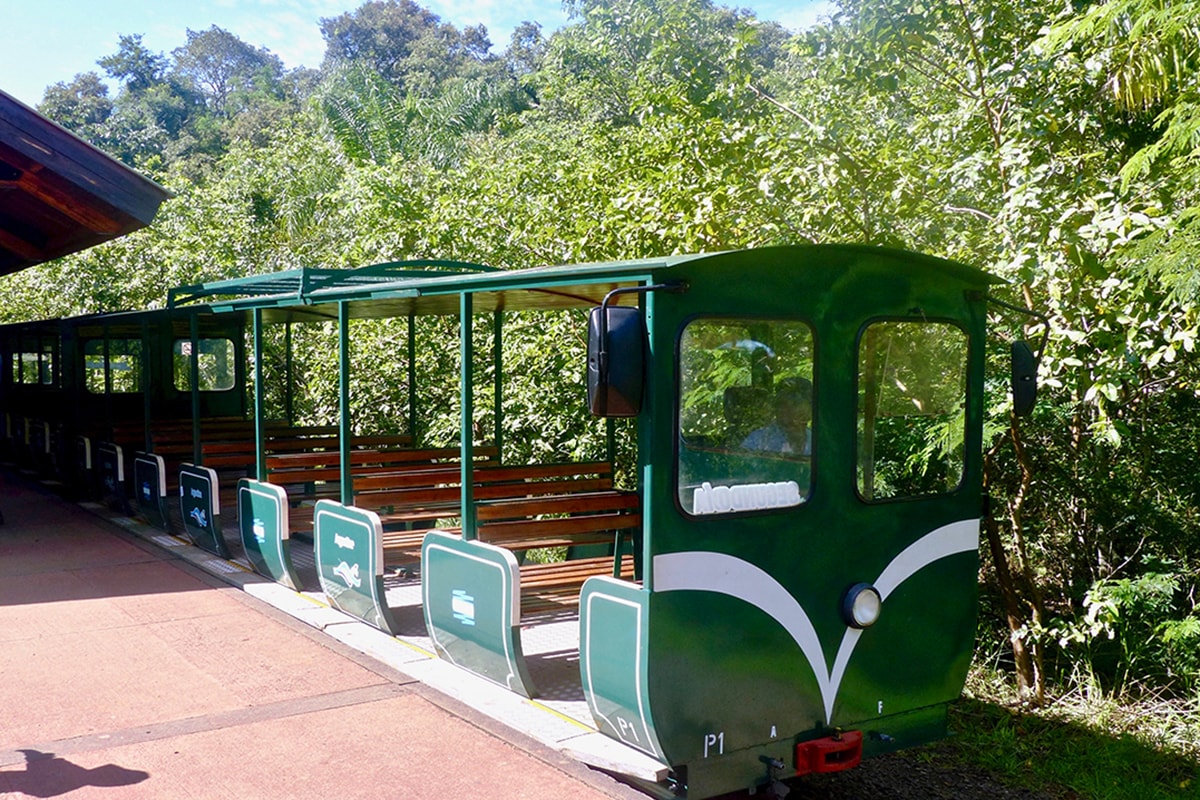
{"x":829,"y":754}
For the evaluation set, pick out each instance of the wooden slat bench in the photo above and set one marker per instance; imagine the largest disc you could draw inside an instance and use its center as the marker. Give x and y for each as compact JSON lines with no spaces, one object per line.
{"x":607,"y":517}
{"x":526,"y":508}
{"x":236,"y":458}
{"x":424,"y":497}
{"x":553,"y":587}
{"x":304,"y":468}
{"x":130,"y":436}
{"x":228,"y":447}
{"x":310,"y":476}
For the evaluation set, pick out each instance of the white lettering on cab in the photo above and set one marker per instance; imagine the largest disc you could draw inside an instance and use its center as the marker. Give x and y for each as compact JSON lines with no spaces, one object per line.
{"x":709,"y":499}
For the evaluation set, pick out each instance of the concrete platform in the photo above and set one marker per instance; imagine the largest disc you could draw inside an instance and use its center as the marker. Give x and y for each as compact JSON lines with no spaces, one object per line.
{"x":129,"y":671}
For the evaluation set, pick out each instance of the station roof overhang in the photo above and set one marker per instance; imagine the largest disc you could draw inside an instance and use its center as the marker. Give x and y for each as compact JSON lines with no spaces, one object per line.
{"x":59,"y":194}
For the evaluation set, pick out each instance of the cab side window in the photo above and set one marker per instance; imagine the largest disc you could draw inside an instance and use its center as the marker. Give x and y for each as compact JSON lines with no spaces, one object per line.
{"x":911,"y":409}
{"x":35,"y":361}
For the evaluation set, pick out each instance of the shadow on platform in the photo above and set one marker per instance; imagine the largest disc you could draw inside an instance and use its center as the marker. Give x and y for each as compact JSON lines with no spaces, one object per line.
{"x":46,"y":775}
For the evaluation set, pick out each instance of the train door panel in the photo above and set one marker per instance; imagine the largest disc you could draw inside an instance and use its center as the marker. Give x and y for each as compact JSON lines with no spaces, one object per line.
{"x":736,"y":430}
{"x":915,"y":514}
{"x":724,"y":604}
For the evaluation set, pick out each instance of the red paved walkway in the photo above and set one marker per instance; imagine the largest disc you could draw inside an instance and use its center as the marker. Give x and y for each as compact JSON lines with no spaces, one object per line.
{"x":125,"y":673}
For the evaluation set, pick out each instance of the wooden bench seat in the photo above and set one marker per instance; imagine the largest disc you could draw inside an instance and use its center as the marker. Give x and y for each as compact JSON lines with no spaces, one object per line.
{"x":552,"y":588}
{"x":529,"y":521}
{"x":309,"y":476}
{"x":230,"y":450}
{"x":326,"y":466}
{"x":610,"y":517}
{"x":432,"y":495}
{"x":558,"y":520}
{"x":439,"y":487}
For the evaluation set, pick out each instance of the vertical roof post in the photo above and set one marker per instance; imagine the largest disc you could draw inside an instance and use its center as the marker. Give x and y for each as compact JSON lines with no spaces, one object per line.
{"x":260,"y":454}
{"x":498,"y":387}
{"x":344,"y":400}
{"x":466,"y":433}
{"x":412,"y":380}
{"x":197,"y":456}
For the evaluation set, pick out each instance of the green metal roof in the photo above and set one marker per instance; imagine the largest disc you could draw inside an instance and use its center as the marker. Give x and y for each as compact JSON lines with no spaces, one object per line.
{"x":298,"y":284}
{"x":422,"y":287}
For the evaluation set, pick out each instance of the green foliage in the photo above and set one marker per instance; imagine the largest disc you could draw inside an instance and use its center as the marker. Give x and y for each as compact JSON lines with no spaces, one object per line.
{"x":372,"y":121}
{"x":1080,"y":748}
{"x":83,"y":105}
{"x":627,"y":60}
{"x":227,"y":71}
{"x":134,"y":65}
{"x":1134,"y":636}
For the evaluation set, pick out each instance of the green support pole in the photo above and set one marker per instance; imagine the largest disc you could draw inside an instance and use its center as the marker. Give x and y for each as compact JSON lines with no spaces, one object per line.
{"x":412,"y":381}
{"x":467,"y":391}
{"x":289,"y":397}
{"x":108,"y":415}
{"x":197,"y":458}
{"x":241,"y":379}
{"x":69,"y":350}
{"x":498,"y":395}
{"x":147,"y":382}
{"x":344,"y":400}
{"x":260,"y":454}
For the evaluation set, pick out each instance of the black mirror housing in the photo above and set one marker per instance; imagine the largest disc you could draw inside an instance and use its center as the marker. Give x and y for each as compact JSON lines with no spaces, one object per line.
{"x":1024,"y":379}
{"x":615,"y":361}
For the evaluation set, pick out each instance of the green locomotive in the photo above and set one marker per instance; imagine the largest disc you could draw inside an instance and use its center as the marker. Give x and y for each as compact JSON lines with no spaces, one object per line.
{"x":789,"y":586}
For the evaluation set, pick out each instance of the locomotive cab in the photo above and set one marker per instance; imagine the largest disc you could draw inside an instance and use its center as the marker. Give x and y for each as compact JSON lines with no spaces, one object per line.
{"x":809,"y":445}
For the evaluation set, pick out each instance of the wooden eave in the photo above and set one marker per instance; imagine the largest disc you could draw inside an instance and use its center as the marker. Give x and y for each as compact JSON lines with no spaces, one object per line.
{"x":59,"y":194}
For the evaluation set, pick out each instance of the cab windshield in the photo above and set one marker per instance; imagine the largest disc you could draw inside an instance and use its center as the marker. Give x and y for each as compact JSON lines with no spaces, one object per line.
{"x":745,"y":415}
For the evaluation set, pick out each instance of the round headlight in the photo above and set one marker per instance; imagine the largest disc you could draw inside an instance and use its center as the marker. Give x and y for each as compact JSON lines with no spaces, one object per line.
{"x":861,"y":605}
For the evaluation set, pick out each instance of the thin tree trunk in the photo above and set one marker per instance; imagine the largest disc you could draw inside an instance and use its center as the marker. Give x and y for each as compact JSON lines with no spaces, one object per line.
{"x":1026,"y":657}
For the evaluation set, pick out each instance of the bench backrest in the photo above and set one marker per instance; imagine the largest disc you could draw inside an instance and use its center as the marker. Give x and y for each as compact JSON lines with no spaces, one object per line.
{"x":442,"y":484}
{"x":297,"y":463}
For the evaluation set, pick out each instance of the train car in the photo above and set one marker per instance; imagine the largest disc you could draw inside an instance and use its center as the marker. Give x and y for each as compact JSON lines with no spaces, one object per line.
{"x":81,"y":396}
{"x":769,"y":571}
{"x":809,"y":589}
{"x":763,"y":567}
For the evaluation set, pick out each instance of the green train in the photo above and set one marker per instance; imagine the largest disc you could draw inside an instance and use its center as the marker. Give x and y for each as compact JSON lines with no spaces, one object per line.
{"x":779,"y":580}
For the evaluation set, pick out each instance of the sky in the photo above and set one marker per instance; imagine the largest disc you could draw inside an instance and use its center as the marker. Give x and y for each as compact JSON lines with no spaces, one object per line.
{"x":43,"y":42}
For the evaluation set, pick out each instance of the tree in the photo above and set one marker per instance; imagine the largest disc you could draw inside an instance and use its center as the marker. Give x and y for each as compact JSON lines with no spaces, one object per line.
{"x":526,"y":49}
{"x":134,"y":65}
{"x":372,"y":121}
{"x":627,"y":59}
{"x":1147,"y":54}
{"x":407,"y":45}
{"x":226,"y":70}
{"x":81,"y":106}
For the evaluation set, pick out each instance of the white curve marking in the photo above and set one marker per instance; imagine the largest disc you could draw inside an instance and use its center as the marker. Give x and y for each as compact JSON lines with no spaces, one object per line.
{"x":706,"y":571}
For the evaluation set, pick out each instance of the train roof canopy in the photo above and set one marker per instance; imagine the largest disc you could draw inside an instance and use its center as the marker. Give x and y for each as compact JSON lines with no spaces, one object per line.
{"x":433,"y":287}
{"x":59,"y":194}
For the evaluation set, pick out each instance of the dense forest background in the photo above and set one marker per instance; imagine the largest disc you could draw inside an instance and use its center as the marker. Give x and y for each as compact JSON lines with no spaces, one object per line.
{"x":1054,"y":144}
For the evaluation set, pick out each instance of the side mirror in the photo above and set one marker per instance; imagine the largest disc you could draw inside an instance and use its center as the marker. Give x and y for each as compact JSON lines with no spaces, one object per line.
{"x":616,"y":343}
{"x":1024,"y":379}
